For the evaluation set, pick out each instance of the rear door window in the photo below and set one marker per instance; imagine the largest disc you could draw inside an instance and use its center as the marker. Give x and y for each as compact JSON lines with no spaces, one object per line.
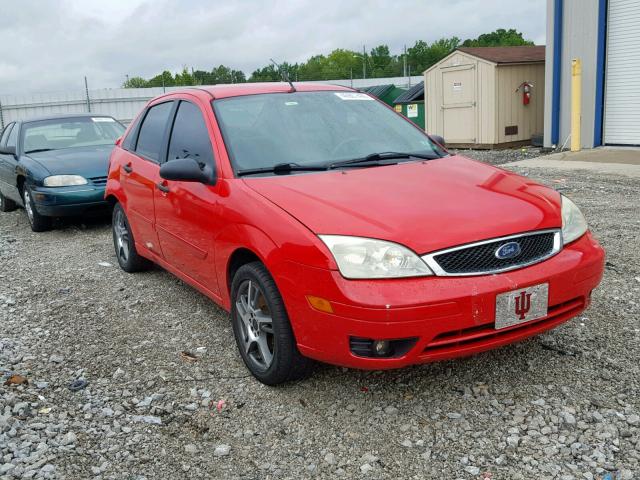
{"x":152,"y":131}
{"x":190,"y":137}
{"x":5,"y":134}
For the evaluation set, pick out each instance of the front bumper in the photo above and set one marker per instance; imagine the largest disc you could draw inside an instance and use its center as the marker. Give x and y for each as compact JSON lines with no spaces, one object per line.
{"x":66,"y":201}
{"x":449,"y":316}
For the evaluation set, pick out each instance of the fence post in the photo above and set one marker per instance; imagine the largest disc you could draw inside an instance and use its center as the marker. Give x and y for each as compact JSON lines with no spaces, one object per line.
{"x":1,"y":118}
{"x":86,"y":91}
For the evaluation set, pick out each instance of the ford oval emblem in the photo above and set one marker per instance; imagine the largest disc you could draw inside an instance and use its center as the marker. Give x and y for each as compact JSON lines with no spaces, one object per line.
{"x":508,"y":250}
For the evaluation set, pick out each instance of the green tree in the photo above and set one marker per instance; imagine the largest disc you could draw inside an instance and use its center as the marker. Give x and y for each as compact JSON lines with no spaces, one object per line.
{"x":340,"y":63}
{"x":498,"y":38}
{"x":422,"y":55}
{"x":184,"y":78}
{"x":164,"y":79}
{"x":135,"y":82}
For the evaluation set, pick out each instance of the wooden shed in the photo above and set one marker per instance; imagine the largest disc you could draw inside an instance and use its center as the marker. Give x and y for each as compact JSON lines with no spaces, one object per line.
{"x":475,"y":97}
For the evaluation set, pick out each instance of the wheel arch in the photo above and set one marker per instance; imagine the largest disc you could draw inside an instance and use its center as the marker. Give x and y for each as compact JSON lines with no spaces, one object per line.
{"x":238,"y":245}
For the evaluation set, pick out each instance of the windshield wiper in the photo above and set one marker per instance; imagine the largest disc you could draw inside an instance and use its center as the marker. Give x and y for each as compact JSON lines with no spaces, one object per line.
{"x":377,"y":157}
{"x":282,"y":168}
{"x":37,"y":150}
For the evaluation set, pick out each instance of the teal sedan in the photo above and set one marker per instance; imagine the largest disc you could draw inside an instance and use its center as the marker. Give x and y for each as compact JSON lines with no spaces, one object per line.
{"x":56,"y":166}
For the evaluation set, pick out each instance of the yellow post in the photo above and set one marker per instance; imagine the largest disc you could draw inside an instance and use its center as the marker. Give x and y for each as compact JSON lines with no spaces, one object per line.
{"x":576,"y":104}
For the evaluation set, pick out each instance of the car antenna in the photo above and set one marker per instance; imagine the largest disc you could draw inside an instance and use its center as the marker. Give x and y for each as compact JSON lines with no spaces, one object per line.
{"x":285,"y":75}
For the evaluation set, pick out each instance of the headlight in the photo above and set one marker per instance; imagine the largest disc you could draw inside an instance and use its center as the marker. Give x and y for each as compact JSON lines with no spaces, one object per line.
{"x":64,"y":180}
{"x":359,"y":257}
{"x":574,"y":224}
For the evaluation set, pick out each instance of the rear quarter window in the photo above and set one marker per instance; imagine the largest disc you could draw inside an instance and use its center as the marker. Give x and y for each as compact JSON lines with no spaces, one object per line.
{"x":5,"y":133}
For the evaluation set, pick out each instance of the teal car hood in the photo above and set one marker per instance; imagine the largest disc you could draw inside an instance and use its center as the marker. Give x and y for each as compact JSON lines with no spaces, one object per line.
{"x":89,"y":162}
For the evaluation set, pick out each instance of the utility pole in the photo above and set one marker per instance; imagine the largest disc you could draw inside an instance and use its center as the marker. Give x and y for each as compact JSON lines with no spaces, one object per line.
{"x":364,"y":62}
{"x":86,"y":91}
{"x":404,"y":61}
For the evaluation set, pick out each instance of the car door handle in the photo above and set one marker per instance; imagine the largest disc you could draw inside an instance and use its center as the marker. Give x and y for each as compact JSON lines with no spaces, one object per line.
{"x":127,"y":168}
{"x":163,"y":187}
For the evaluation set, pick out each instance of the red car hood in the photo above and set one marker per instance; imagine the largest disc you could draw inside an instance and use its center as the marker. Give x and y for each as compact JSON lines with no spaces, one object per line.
{"x":426,"y":206}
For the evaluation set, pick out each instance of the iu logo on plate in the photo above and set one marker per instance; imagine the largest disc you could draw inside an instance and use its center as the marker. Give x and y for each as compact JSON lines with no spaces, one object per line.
{"x":523,"y":305}
{"x":508,"y":250}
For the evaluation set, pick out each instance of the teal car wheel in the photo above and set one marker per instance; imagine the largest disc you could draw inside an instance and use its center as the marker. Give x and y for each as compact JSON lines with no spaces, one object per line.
{"x":38,"y":223}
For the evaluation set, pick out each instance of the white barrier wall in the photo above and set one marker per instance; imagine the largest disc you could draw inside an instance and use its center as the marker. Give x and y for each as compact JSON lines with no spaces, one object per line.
{"x":124,"y":103}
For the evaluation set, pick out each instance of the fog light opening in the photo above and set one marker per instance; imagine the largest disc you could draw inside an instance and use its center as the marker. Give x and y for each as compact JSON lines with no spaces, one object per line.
{"x":382,"y":348}
{"x":370,"y":348}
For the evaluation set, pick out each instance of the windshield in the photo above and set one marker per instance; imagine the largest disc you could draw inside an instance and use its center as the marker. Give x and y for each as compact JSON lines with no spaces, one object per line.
{"x":313,"y":128}
{"x":70,"y":132}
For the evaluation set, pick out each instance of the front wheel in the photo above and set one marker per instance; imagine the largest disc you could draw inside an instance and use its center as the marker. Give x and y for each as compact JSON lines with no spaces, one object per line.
{"x":38,"y":223}
{"x":128,"y":258}
{"x":262,"y":329}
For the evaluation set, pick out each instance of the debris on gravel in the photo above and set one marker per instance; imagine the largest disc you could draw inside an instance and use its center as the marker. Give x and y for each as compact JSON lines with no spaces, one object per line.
{"x":564,"y":405}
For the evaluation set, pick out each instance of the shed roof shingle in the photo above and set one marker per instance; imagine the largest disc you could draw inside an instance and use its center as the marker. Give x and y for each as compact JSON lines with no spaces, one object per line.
{"x":522,"y":54}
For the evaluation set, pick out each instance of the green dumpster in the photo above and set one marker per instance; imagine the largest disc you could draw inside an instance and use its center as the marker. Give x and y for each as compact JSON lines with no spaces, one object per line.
{"x":411,"y":104}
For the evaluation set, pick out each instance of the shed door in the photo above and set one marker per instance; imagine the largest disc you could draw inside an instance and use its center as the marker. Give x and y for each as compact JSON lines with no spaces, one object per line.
{"x":459,"y":104}
{"x":622,"y":93}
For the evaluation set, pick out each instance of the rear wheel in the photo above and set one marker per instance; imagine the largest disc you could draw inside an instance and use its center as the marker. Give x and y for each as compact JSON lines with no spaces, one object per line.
{"x":262,"y":329}
{"x":39,"y":223}
{"x":128,"y":258}
{"x":6,"y":205}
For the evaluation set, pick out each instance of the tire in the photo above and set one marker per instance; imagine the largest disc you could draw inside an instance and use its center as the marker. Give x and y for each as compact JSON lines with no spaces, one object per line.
{"x":38,"y":223}
{"x":286,"y":363}
{"x":6,"y":205}
{"x":128,"y":258}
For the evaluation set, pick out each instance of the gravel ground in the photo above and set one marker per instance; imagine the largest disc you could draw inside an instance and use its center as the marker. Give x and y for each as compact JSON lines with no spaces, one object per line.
{"x":498,"y":157}
{"x":563,"y":405}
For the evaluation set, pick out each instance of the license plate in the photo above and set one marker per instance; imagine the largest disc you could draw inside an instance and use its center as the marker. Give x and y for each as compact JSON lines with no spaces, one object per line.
{"x":522,"y":305}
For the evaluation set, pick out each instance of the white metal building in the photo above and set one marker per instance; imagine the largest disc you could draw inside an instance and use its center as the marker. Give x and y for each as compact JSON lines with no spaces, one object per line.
{"x":605,"y":35}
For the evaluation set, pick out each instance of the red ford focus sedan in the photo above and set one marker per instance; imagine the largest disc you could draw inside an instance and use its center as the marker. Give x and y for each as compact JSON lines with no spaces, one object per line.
{"x":334,"y":229}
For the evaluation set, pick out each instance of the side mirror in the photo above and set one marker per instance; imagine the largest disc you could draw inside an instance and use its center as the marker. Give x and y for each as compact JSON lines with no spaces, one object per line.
{"x":187,"y":170}
{"x":8,"y":151}
{"x":438,"y":139}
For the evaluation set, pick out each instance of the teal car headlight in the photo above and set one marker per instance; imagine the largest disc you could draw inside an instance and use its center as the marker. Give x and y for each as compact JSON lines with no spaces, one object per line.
{"x":64,"y":181}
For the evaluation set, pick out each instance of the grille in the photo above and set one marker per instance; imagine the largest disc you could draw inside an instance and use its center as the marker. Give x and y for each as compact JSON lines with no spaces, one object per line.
{"x":99,"y":181}
{"x":481,"y":258}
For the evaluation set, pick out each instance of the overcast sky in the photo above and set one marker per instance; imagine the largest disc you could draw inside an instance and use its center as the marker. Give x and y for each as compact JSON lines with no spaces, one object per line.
{"x":50,"y":45}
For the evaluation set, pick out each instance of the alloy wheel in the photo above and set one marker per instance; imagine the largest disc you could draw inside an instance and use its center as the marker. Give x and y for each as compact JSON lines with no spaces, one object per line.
{"x":121,"y":231}
{"x":28,"y":206}
{"x":256,"y":324}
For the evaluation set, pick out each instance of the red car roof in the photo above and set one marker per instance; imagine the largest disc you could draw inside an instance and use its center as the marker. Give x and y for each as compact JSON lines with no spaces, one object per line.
{"x":237,"y":89}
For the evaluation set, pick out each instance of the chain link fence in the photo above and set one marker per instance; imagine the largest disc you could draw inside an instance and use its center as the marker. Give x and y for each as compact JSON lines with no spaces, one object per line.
{"x":124,"y":103}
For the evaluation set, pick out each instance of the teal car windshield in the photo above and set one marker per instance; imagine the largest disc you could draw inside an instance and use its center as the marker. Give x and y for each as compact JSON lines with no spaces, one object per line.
{"x":70,"y":133}
{"x":313,"y":128}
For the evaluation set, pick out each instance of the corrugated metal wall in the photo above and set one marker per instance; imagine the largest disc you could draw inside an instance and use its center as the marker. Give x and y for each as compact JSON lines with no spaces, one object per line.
{"x":579,"y":40}
{"x":622,"y":100}
{"x":124,"y":103}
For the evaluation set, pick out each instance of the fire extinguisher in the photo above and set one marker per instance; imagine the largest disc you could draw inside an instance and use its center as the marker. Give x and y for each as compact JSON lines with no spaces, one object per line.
{"x":526,"y":92}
